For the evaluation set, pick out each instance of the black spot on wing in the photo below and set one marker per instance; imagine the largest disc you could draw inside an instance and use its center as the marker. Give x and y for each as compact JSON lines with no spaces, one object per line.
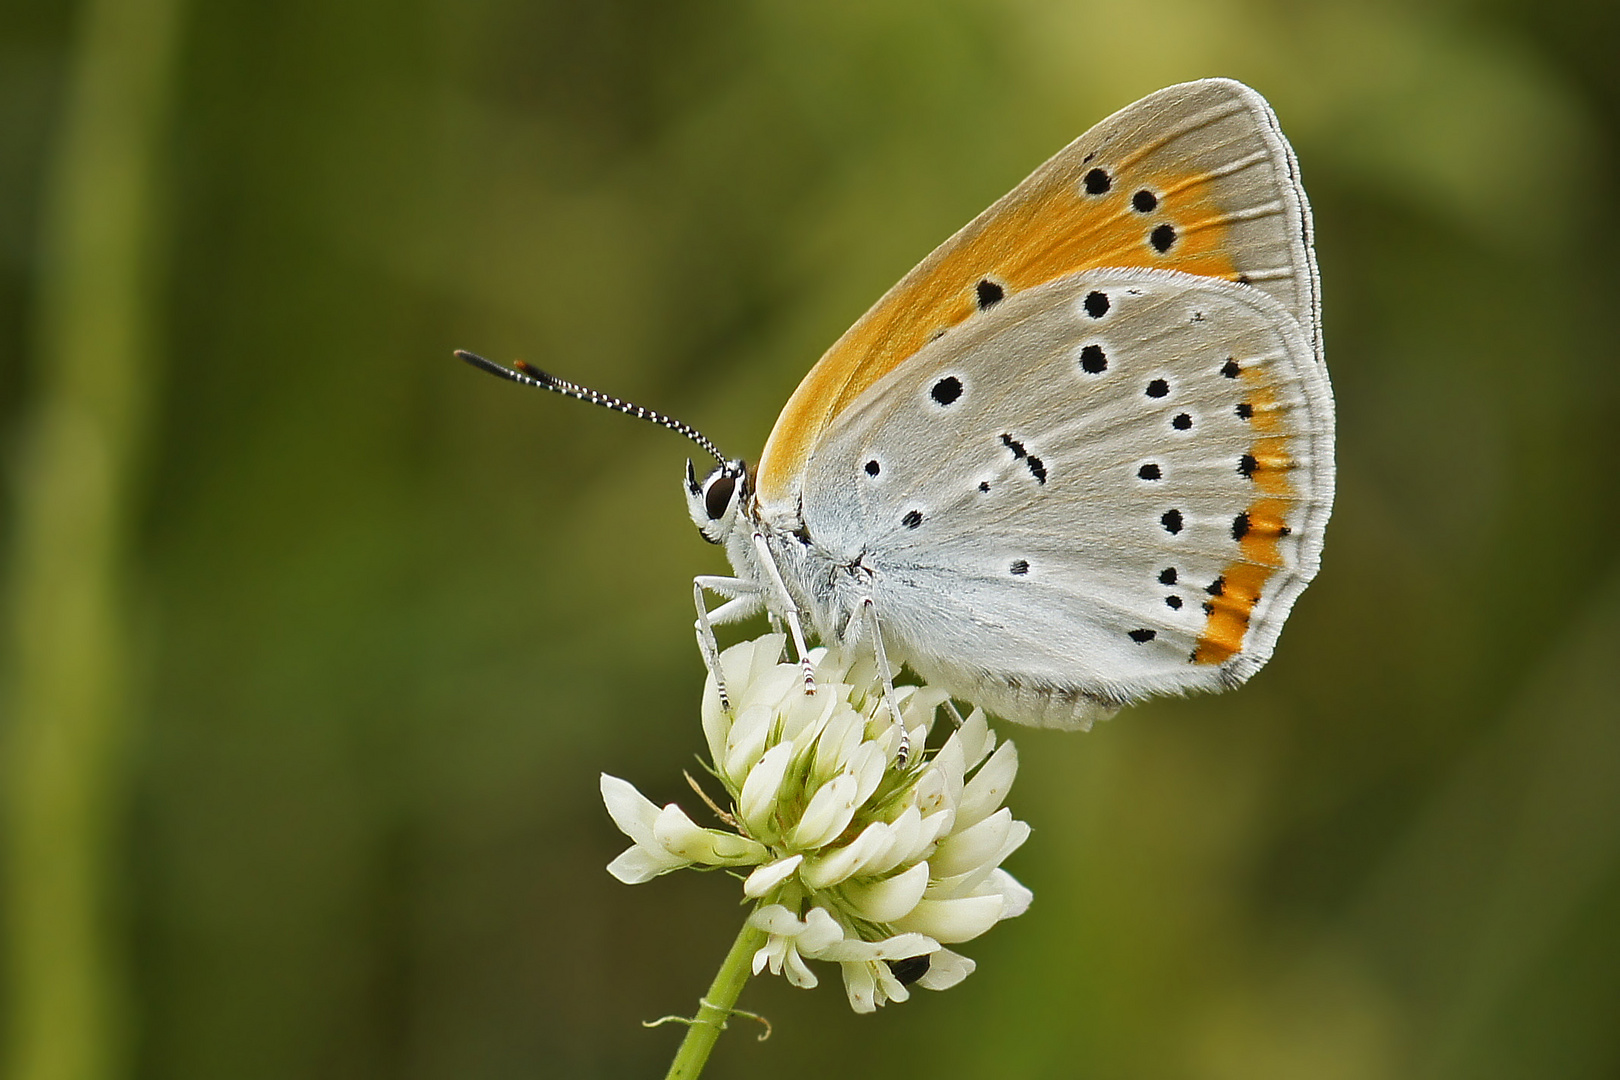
{"x":1037,"y":467}
{"x":988,"y":293}
{"x":1096,"y":182}
{"x":946,"y":390}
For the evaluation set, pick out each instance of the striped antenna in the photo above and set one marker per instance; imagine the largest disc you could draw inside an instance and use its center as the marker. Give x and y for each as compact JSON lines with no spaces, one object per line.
{"x":528,"y":375}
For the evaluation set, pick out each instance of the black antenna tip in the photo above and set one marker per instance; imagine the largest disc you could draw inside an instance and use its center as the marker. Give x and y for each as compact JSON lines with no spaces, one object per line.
{"x":518,"y":372}
{"x":479,"y":362}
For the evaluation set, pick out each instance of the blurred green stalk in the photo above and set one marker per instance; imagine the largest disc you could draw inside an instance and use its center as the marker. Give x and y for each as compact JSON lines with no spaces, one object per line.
{"x":67,"y":654}
{"x":715,"y":1007}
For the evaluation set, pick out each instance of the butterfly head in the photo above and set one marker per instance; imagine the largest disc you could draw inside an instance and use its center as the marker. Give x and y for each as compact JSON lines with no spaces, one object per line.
{"x":717,"y":501}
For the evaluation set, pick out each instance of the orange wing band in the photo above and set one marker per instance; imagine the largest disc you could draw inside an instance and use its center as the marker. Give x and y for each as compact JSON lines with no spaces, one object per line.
{"x":1264,"y":526}
{"x":1052,"y":230}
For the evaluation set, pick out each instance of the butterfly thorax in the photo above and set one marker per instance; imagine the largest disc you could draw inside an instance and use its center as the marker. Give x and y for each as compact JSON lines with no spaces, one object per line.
{"x":825,"y":582}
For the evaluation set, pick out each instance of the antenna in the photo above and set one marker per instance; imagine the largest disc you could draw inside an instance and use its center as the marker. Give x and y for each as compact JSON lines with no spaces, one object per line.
{"x":533,"y":376}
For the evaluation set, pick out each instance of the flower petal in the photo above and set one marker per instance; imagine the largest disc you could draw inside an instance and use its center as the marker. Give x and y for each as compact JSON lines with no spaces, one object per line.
{"x":970,"y":848}
{"x":673,"y":830}
{"x":972,"y":882}
{"x":945,"y":970}
{"x":836,"y":741}
{"x":745,"y":743}
{"x":798,"y":972}
{"x":757,"y":802}
{"x":889,"y":988}
{"x":638,"y":865}
{"x":828,"y":814}
{"x":919,"y":705}
{"x":747,"y":661}
{"x":977,"y":738}
{"x":985,"y":792}
{"x":950,"y":921}
{"x":905,"y":946}
{"x":914,"y":838}
{"x":826,"y":870}
{"x":899,"y":947}
{"x":804,"y":715}
{"x":1016,"y":896}
{"x":940,"y":784}
{"x":821,"y":931}
{"x":860,"y":983}
{"x":887,"y":900}
{"x":630,"y":810}
{"x":769,"y":876}
{"x":868,"y":763}
{"x":776,"y":919}
{"x":770,"y":955}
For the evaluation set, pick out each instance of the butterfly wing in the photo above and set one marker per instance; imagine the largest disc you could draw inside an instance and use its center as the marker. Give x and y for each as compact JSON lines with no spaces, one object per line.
{"x":1196,"y":177}
{"x":1114,"y":485}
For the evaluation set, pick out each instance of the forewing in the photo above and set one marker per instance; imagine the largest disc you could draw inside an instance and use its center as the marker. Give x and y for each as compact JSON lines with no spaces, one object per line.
{"x":1116,"y":484}
{"x":1196,"y":178}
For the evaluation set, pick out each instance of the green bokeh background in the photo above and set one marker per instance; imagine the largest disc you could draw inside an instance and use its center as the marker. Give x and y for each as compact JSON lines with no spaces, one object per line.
{"x":317,"y":640}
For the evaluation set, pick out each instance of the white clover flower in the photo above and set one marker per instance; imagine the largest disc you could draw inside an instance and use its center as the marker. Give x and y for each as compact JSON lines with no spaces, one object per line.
{"x":855,"y":861}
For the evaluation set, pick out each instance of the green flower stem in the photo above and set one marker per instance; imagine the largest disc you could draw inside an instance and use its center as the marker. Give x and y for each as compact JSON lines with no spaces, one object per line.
{"x":715,"y":1006}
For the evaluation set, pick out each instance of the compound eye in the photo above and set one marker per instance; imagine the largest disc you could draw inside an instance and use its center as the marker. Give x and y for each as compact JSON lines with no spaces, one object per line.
{"x":718,"y":495}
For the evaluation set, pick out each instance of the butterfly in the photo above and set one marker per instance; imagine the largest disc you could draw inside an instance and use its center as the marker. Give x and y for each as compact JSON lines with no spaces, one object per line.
{"x":1081,"y":454}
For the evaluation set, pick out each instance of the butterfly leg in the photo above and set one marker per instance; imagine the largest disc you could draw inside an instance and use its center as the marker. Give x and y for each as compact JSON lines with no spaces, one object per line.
{"x":886,"y":673}
{"x":743,"y":598}
{"x":789,"y":608}
{"x":708,"y":645}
